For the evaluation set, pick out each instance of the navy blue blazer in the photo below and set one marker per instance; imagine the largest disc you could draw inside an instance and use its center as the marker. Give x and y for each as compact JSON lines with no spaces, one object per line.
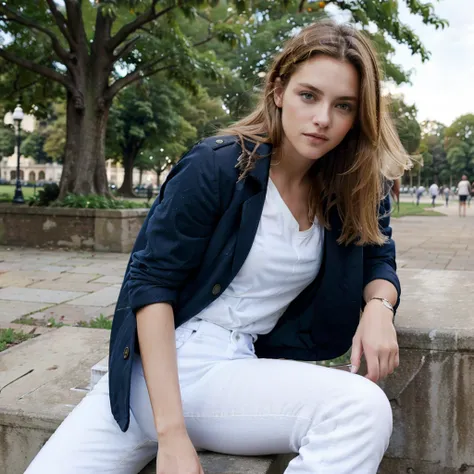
{"x":194,"y":241}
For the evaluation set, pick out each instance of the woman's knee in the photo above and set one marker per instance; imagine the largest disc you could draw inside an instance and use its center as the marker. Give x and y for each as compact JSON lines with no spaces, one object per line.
{"x":374,"y":406}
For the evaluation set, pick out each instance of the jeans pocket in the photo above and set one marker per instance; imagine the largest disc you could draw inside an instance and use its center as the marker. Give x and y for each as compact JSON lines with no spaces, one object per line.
{"x":184,"y":333}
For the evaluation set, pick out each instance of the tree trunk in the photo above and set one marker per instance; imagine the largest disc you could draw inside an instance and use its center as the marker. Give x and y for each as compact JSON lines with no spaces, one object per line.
{"x":126,"y":189}
{"x":141,"y":177}
{"x":84,"y":169}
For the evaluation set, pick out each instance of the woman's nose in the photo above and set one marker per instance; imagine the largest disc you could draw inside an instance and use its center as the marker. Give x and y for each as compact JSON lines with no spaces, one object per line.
{"x":322,"y":117}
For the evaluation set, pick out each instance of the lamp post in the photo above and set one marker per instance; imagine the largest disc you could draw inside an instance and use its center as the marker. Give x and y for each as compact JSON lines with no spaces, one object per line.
{"x":17,"y":118}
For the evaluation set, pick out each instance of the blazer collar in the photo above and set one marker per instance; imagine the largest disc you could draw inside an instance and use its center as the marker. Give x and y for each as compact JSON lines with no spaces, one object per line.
{"x":261,"y":171}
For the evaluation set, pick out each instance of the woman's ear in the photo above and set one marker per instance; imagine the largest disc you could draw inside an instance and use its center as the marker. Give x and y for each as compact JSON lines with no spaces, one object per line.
{"x":278,"y":93}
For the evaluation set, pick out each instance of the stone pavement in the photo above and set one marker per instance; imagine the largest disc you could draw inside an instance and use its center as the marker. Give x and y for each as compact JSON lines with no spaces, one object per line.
{"x":37,"y":285}
{"x":65,"y":285}
{"x":435,"y":243}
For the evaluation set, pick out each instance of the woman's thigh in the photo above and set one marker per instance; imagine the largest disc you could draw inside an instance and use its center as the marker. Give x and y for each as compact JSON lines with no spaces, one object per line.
{"x":265,"y":406}
{"x":89,"y":441}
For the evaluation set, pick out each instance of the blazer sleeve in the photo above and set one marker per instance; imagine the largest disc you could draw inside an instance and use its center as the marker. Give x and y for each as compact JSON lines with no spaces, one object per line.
{"x":379,"y":260}
{"x":178,"y":232}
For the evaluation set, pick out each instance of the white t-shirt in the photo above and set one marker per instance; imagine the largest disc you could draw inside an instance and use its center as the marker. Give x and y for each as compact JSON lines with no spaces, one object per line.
{"x":464,"y":188}
{"x":282,"y":262}
{"x":434,"y":189}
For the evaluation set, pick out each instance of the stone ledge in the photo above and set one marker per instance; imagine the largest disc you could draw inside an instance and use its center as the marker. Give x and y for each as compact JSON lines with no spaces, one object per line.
{"x":72,"y":212}
{"x":107,"y":230}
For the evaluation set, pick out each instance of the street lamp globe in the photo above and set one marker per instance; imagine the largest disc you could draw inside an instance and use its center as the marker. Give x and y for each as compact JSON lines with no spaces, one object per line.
{"x":18,"y":114}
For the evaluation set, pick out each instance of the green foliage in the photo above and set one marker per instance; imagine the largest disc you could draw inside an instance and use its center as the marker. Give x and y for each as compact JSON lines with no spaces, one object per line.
{"x":45,"y":196}
{"x":5,"y":197}
{"x":459,"y":145}
{"x":33,"y":146}
{"x":10,"y":337}
{"x":52,"y":323}
{"x":94,"y":201}
{"x":436,"y":167}
{"x":7,"y":140}
{"x":98,"y":323}
{"x":221,"y":46}
{"x":404,"y":118}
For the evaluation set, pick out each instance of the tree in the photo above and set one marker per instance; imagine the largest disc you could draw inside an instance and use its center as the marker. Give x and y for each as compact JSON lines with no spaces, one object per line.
{"x":46,"y":143}
{"x":156,"y":115}
{"x":459,"y":145}
{"x":408,"y":129}
{"x":7,"y":141}
{"x":92,"y":50}
{"x":404,"y":118}
{"x":95,"y":50}
{"x":435,"y":165}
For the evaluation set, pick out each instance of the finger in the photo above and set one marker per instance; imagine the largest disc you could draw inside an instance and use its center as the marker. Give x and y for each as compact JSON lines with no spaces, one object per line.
{"x":356,"y":354}
{"x":384,"y":364}
{"x":391,"y":363}
{"x":396,"y":359}
{"x":373,"y":369}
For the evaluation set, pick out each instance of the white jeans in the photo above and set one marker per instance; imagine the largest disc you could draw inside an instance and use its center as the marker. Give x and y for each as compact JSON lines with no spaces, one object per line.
{"x":234,"y":403}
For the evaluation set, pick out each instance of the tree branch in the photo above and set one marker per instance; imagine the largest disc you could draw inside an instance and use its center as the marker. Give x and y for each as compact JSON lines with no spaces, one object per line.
{"x":134,"y":76}
{"x":13,"y":16}
{"x":61,"y":22}
{"x":38,"y":68}
{"x":126,"y":30}
{"x":126,"y":49}
{"x":204,"y":41}
{"x":22,"y":88}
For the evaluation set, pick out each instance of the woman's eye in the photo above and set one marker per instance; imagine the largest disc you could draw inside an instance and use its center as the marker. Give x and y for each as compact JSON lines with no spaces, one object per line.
{"x":345,"y":107}
{"x":307,"y":95}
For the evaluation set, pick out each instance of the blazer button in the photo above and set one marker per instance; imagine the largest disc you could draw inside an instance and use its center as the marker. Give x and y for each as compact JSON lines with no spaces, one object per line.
{"x":126,"y":353}
{"x":216,"y":289}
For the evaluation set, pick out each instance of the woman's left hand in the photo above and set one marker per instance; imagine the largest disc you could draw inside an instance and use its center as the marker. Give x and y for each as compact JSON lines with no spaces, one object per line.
{"x":377,"y":339}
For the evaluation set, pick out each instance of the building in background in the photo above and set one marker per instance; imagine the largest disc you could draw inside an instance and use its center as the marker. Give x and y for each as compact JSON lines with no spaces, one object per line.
{"x":40,"y":173}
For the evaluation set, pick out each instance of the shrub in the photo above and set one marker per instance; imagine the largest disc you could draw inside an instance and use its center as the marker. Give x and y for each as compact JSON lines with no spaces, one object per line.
{"x":92,"y":201}
{"x":45,"y":196}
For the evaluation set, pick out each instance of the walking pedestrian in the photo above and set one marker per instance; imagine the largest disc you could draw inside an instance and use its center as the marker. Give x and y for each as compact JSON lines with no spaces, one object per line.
{"x":434,"y":191}
{"x":464,"y":191}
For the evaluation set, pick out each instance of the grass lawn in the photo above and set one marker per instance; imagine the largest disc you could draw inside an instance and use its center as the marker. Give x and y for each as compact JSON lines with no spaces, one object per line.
{"x":411,"y":209}
{"x":10,"y":190}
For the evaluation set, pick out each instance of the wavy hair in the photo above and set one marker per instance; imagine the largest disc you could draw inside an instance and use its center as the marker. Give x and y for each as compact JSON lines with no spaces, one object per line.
{"x":353,"y":176}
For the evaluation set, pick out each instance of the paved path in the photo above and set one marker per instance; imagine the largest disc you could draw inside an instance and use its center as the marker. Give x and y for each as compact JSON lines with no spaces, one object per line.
{"x":79,"y":286}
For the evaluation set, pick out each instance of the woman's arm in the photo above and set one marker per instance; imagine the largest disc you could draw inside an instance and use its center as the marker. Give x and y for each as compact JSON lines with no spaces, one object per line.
{"x":155,"y":325}
{"x":156,"y":335}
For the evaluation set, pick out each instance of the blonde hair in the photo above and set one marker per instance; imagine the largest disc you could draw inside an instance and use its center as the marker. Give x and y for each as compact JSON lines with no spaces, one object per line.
{"x":350,"y":177}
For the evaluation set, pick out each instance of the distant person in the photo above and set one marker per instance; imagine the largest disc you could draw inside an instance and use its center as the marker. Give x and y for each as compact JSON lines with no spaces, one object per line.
{"x":149,"y":192}
{"x":434,"y":191}
{"x":419,"y":192}
{"x":447,"y":193}
{"x":464,"y":190}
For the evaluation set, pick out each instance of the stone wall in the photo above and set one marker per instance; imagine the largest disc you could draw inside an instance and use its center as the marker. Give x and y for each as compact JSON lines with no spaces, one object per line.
{"x":91,"y":229}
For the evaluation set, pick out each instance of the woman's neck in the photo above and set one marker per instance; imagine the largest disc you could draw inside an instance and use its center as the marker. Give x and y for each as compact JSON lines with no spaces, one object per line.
{"x":288,"y":167}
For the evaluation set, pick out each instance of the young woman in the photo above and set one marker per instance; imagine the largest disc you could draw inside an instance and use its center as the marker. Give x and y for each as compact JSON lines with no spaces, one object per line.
{"x":263,"y":248}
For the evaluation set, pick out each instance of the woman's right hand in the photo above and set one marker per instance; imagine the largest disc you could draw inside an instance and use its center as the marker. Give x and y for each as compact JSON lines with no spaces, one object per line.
{"x":176,"y":455}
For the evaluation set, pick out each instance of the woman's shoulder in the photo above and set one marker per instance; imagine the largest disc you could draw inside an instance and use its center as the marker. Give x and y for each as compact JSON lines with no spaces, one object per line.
{"x":222,"y":151}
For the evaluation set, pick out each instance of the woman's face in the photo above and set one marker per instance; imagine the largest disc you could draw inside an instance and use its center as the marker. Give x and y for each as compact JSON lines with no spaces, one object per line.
{"x":319,"y":106}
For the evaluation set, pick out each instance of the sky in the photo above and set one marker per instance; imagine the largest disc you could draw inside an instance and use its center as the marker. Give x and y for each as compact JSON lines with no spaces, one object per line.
{"x":442,"y":88}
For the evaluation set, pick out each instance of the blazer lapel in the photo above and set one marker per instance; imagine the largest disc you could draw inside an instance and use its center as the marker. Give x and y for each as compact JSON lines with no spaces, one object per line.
{"x":255,"y":184}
